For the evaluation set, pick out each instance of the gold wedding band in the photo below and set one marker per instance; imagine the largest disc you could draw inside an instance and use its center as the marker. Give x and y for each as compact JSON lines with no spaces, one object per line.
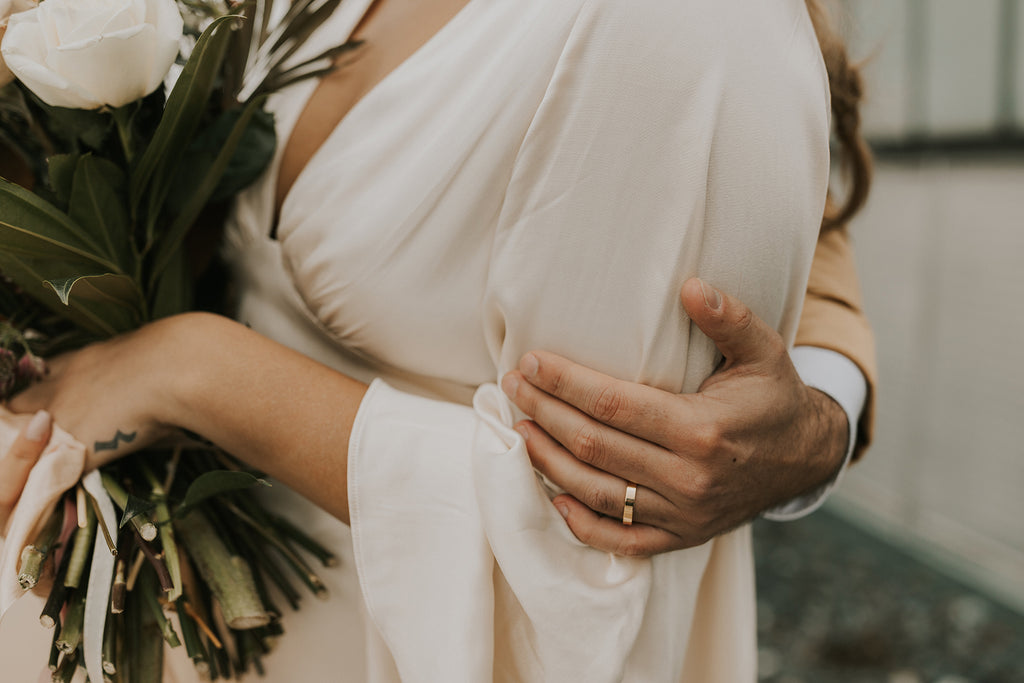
{"x":627,"y":509}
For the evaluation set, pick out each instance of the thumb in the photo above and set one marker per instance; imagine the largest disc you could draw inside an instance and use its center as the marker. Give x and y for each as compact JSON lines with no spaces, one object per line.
{"x":741,"y":336}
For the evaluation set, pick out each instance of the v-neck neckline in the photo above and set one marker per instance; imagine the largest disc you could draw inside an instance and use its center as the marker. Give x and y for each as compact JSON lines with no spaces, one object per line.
{"x":279,"y":212}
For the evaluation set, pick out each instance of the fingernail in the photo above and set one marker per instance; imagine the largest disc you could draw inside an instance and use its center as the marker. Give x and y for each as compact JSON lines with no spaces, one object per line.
{"x":563,"y":510}
{"x":38,"y":426}
{"x":529,"y":365}
{"x":712,"y":299}
{"x":523,"y":432}
{"x":510,"y":385}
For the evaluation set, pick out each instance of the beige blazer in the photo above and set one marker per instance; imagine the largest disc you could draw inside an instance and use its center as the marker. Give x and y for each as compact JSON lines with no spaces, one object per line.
{"x":833,"y":317}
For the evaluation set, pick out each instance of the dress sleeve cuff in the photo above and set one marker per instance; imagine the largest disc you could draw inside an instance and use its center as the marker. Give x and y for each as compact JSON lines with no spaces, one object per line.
{"x":840,"y":378}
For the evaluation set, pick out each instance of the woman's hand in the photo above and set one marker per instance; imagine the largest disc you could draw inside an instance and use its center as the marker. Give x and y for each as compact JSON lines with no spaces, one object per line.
{"x":109,"y":395}
{"x":279,"y":411}
{"x":754,"y":436}
{"x":18,"y":461}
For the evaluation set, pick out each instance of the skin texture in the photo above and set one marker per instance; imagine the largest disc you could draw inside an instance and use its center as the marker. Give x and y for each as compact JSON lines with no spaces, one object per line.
{"x":272,"y":407}
{"x":751,"y":438}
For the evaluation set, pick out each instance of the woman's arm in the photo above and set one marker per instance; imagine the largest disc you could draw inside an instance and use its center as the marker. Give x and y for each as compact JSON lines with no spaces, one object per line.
{"x":277,"y":410}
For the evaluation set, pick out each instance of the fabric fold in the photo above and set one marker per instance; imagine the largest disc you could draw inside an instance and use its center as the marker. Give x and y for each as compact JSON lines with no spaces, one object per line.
{"x":59,"y":468}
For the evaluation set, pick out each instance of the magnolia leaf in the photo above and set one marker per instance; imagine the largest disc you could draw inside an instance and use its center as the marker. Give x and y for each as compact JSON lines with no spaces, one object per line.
{"x":80,"y":127}
{"x":97,"y":204}
{"x":27,"y":274}
{"x":215,"y":483}
{"x":108,"y":286}
{"x":114,"y":299}
{"x":175,"y":235}
{"x":61,"y":169}
{"x":35,"y":227}
{"x":182,"y":114}
{"x":253,"y":153}
{"x":134,"y":507}
{"x":173,"y":291}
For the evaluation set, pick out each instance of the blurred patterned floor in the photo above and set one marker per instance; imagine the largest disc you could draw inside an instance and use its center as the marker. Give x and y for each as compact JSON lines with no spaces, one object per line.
{"x":836,"y":605}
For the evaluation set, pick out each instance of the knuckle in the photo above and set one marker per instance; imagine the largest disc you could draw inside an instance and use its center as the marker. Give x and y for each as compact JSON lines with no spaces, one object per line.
{"x":701,"y":488}
{"x":707,"y":439}
{"x":631,"y":547}
{"x":744,"y":319}
{"x":557,"y":379}
{"x":609,"y":405}
{"x":587,"y":444}
{"x":597,"y":499}
{"x":25,"y":452}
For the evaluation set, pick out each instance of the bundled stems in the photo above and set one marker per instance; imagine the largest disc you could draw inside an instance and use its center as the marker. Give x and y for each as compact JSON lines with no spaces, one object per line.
{"x":163,"y":519}
{"x":71,"y":630}
{"x":156,"y":611}
{"x":119,"y":589}
{"x":228,"y":576}
{"x":66,"y":671}
{"x":82,"y":548}
{"x":304,"y":571}
{"x":111,"y":634}
{"x":326,"y":557}
{"x":146,"y":528}
{"x":55,"y":600}
{"x":34,"y":555}
{"x":158,"y":565}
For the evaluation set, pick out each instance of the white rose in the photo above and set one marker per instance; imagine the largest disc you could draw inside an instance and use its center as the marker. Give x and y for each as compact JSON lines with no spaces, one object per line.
{"x":7,"y":8}
{"x":86,"y":54}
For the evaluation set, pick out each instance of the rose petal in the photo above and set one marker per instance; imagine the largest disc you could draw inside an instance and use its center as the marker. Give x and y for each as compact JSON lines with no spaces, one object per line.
{"x":93,"y":65}
{"x":24,"y":52}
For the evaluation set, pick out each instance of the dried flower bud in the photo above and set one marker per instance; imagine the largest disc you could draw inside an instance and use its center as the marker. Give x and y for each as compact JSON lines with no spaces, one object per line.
{"x":8,"y":373}
{"x":31,"y":368}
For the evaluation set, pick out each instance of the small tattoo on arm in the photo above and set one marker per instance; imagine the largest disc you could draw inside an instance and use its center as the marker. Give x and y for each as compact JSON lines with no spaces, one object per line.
{"x":114,"y":443}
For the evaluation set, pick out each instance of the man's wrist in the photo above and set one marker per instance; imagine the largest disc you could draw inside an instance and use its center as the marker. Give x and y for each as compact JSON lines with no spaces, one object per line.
{"x":833,"y":434}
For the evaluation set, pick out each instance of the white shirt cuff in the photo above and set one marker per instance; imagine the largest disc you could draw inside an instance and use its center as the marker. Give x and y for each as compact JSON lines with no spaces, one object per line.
{"x":840,"y":378}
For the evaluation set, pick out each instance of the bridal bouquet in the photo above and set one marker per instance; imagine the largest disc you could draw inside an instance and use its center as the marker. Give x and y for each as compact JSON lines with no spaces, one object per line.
{"x":131,"y":121}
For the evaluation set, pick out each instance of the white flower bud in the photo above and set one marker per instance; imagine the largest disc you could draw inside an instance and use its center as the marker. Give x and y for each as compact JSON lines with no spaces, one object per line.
{"x":86,"y":54}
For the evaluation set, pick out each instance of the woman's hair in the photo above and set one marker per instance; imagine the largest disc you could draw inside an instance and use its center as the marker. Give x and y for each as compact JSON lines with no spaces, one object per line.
{"x":844,"y":82}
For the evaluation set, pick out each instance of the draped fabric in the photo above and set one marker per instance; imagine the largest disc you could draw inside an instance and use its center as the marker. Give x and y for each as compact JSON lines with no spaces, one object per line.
{"x":541,"y":174}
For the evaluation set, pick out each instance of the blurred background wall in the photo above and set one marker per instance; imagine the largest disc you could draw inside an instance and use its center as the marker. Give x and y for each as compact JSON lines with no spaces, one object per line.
{"x":940,"y":249}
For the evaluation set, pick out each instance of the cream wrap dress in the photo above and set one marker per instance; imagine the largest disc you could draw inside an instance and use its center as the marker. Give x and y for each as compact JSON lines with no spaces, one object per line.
{"x":542,"y":174}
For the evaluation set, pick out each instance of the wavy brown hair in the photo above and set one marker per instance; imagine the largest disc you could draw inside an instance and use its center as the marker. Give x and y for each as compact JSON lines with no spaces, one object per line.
{"x":846,"y":86}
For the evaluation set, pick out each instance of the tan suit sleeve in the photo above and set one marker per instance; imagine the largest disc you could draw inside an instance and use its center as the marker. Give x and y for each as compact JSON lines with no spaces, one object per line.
{"x":833,"y":318}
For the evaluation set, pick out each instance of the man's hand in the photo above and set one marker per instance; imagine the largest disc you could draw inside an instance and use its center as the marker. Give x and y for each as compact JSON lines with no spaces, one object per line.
{"x":752,"y":437}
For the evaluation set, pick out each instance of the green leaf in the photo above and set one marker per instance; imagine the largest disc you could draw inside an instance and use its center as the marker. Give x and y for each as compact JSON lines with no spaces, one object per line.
{"x":253,"y":153}
{"x":134,"y":507}
{"x":97,"y":204}
{"x":215,"y":483}
{"x":184,"y":109}
{"x":79,"y":127}
{"x":29,"y":274}
{"x":173,"y":291}
{"x":175,"y":235}
{"x":114,"y":297}
{"x":35,"y":227}
{"x":61,"y":169}
{"x":108,"y":286}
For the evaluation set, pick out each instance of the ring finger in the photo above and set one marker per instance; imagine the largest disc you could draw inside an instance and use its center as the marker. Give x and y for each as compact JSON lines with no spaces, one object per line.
{"x":600,"y":491}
